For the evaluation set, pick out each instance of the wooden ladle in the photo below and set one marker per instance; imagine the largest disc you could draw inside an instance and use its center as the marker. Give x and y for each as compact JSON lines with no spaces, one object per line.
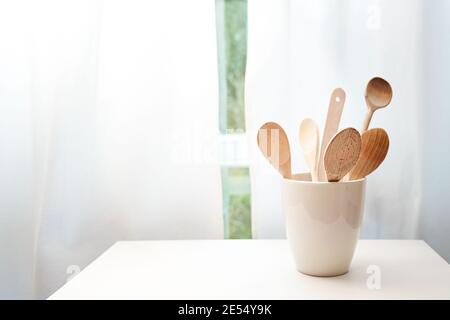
{"x":342,"y":154}
{"x":274,"y":145}
{"x":378,"y":95}
{"x":375,"y":145}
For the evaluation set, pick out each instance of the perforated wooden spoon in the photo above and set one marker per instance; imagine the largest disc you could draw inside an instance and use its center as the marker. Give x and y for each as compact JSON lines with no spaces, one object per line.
{"x":309,"y":141}
{"x":374,"y":148}
{"x":378,"y":95}
{"x":335,"y":108}
{"x":274,"y":145}
{"x":342,"y":154}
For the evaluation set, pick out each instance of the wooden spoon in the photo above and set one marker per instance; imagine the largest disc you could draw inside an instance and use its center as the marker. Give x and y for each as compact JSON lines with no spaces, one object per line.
{"x":309,"y":141}
{"x":331,"y":125}
{"x":274,"y":145}
{"x":375,"y":145}
{"x":378,"y":95}
{"x":342,"y":153}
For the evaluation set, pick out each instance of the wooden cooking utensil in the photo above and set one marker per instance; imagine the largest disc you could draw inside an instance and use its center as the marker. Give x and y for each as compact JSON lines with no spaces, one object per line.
{"x":331,"y":125}
{"x":342,"y":153}
{"x":378,"y":95}
{"x":274,"y":145}
{"x":374,"y":147}
{"x":309,"y":141}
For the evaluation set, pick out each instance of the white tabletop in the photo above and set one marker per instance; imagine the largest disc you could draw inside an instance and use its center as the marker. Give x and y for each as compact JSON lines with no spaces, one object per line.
{"x":256,"y":269}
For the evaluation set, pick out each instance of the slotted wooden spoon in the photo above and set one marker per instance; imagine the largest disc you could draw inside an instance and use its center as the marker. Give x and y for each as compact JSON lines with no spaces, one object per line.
{"x":375,"y":145}
{"x":274,"y":145}
{"x":342,"y":154}
{"x":335,"y":108}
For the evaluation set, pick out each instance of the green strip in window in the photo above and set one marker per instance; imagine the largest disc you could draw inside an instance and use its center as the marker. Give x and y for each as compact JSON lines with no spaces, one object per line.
{"x":236,"y":199}
{"x":231,"y":21}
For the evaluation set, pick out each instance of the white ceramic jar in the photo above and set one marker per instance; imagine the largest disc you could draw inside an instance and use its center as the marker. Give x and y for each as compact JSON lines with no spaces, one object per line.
{"x":323,"y":221}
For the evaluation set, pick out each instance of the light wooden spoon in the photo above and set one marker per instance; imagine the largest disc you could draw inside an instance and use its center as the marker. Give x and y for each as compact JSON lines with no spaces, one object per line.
{"x":309,"y":141}
{"x":375,"y":145}
{"x":274,"y":145}
{"x":378,"y":95}
{"x":342,"y":153}
{"x":335,"y":108}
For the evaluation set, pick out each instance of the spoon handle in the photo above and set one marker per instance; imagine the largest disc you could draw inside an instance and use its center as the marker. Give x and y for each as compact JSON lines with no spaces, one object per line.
{"x":335,"y":108}
{"x":367,"y":119}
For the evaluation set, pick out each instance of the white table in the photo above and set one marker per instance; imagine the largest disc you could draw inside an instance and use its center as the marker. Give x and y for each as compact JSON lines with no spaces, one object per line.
{"x":256,"y":269}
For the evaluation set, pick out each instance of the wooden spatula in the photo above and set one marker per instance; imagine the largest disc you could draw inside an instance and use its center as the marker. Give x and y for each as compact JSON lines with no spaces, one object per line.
{"x":342,"y":154}
{"x":374,"y":147}
{"x":274,"y":145}
{"x":335,"y":108}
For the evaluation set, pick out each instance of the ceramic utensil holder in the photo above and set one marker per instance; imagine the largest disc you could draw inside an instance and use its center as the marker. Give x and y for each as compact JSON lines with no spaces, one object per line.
{"x":323,"y":221}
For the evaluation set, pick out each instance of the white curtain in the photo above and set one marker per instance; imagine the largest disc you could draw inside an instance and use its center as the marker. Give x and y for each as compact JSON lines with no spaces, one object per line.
{"x":108,"y":131}
{"x":298,"y":51}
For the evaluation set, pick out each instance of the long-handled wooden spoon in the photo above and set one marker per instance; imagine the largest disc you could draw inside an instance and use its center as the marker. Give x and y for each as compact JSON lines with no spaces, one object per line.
{"x":309,"y":141}
{"x":335,"y":108}
{"x":274,"y":145}
{"x":342,"y":153}
{"x":378,"y":95}
{"x":375,"y":145}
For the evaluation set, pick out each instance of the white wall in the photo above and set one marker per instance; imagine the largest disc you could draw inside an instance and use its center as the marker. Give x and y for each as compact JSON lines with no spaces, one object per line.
{"x":435,"y":219}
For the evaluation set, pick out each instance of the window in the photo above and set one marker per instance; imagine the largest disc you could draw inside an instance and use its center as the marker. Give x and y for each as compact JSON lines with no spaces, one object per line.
{"x":231,"y":17}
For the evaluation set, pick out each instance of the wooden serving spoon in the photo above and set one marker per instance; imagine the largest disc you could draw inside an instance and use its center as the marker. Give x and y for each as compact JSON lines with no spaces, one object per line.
{"x":342,"y":153}
{"x":335,"y":108}
{"x":378,"y":95}
{"x":309,"y":141}
{"x":375,"y":145}
{"x":274,"y":145}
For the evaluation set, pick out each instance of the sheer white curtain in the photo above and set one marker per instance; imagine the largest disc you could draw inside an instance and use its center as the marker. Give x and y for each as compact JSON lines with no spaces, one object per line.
{"x":108,"y":131}
{"x":298,"y":51}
